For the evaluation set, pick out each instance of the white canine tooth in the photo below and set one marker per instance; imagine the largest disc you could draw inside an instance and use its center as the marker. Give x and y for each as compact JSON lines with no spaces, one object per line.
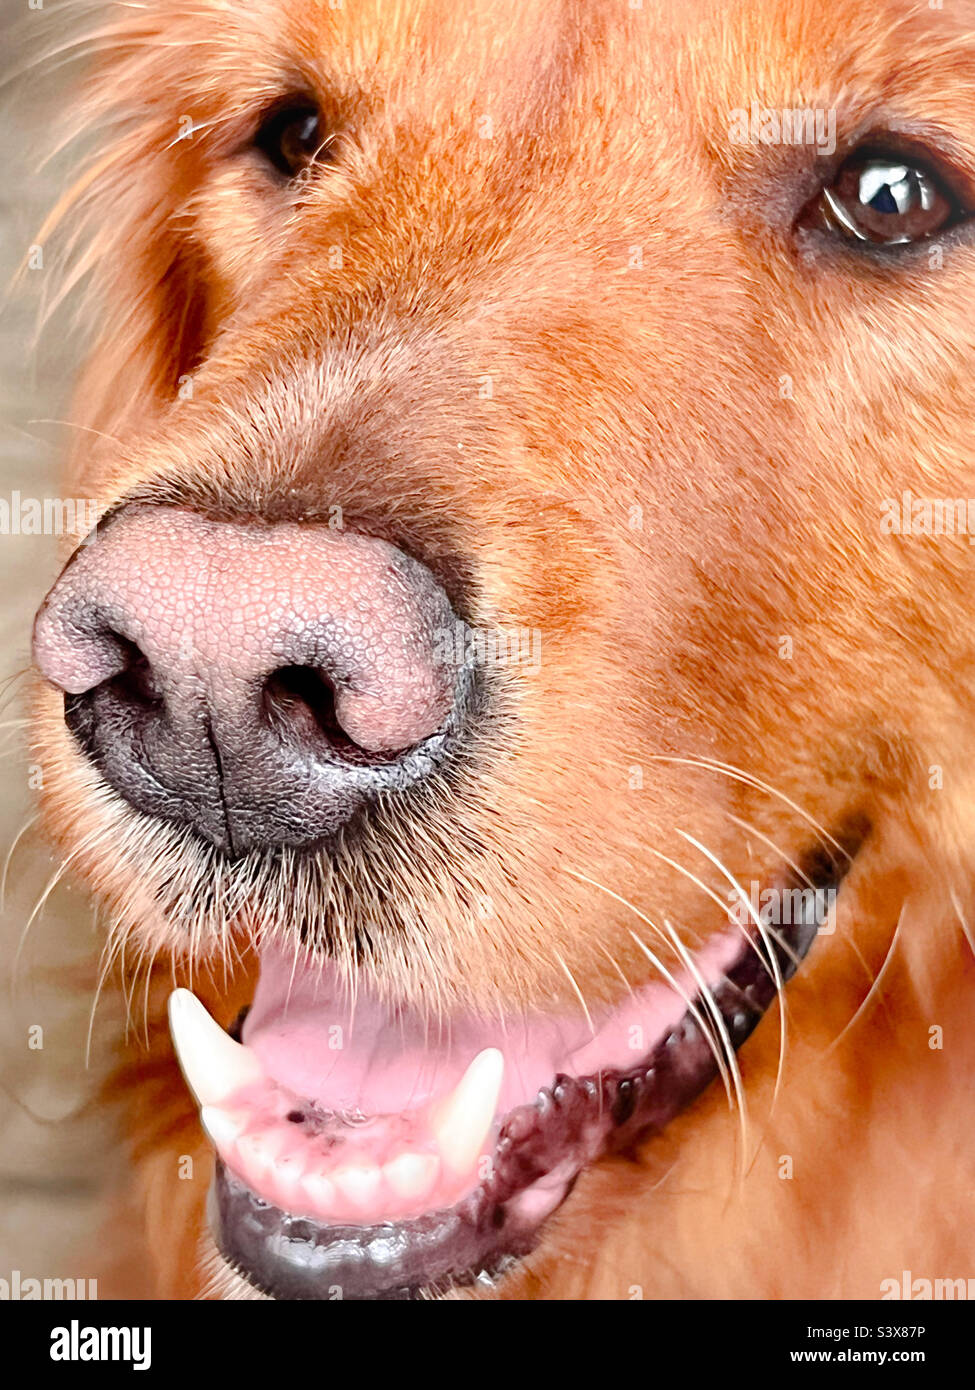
{"x":223,"y":1128}
{"x":214,"y":1065}
{"x":462,"y":1120}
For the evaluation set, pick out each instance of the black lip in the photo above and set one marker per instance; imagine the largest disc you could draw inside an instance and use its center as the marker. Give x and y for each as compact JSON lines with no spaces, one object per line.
{"x":293,"y":1257}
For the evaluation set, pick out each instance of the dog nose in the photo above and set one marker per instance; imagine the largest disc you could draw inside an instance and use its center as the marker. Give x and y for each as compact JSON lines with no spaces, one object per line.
{"x":256,"y":682}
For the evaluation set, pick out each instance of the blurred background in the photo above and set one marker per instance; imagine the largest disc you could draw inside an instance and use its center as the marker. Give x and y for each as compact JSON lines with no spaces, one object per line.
{"x":58,"y":1163}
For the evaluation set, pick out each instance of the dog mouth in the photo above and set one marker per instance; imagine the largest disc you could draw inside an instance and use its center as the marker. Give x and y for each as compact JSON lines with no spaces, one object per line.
{"x":363,"y":1152}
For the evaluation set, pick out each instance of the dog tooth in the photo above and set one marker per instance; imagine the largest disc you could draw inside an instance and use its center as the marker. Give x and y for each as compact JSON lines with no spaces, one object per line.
{"x":320,"y":1192}
{"x":358,"y":1184}
{"x":259,"y":1150}
{"x":290,"y":1166}
{"x":462,"y":1120}
{"x":286,"y":1174}
{"x":412,"y":1175}
{"x":222,"y":1128}
{"x":213,"y":1064}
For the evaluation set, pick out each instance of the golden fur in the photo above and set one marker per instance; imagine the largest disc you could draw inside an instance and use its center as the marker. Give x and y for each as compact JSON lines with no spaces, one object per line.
{"x":545,"y":324}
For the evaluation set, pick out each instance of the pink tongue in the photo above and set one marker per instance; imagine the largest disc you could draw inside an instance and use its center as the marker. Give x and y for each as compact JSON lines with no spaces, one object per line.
{"x":382,"y":1059}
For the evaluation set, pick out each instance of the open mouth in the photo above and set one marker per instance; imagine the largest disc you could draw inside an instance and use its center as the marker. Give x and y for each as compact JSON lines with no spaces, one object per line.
{"x":364,"y":1153}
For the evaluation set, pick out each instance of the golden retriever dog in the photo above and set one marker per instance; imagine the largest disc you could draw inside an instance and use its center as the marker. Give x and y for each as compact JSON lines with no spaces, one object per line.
{"x":515,"y":709}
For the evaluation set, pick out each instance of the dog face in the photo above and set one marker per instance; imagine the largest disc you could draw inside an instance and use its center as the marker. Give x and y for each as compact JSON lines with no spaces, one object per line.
{"x":510,"y":353}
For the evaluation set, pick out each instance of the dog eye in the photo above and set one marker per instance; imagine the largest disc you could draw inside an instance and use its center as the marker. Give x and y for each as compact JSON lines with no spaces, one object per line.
{"x":292,"y":138}
{"x":885,"y":198}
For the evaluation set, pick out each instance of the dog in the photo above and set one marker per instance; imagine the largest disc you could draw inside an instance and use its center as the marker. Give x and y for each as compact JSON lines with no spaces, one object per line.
{"x":514,"y":707}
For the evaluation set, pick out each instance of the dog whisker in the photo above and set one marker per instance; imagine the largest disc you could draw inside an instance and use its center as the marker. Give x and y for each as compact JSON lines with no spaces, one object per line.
{"x":776,"y":849}
{"x":76,"y":425}
{"x":771,"y":962}
{"x":751,"y":779}
{"x":577,"y":991}
{"x":8,"y":688}
{"x":717,"y":1024}
{"x":713,"y":896}
{"x":672,"y":980}
{"x":875,"y":986}
{"x":52,"y":883}
{"x":24,"y":829}
{"x":966,"y":929}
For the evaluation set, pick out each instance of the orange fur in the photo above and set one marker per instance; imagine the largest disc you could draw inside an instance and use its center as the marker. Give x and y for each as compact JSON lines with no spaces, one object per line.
{"x":284,"y":354}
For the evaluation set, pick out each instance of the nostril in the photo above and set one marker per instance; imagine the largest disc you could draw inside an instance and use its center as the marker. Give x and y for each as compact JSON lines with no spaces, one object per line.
{"x":136,"y":681}
{"x":132,"y":691}
{"x":300,"y":701}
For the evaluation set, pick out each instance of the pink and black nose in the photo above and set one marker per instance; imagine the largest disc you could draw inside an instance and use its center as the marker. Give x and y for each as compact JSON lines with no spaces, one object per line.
{"x":256,"y":682}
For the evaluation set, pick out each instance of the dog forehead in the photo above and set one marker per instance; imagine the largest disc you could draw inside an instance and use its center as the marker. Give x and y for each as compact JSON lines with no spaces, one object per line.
{"x":684,"y":61}
{"x":431,"y":56}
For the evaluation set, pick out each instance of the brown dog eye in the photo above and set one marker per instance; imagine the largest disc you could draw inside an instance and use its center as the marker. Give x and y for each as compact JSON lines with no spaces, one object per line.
{"x":885,"y":199}
{"x":292,"y":138}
